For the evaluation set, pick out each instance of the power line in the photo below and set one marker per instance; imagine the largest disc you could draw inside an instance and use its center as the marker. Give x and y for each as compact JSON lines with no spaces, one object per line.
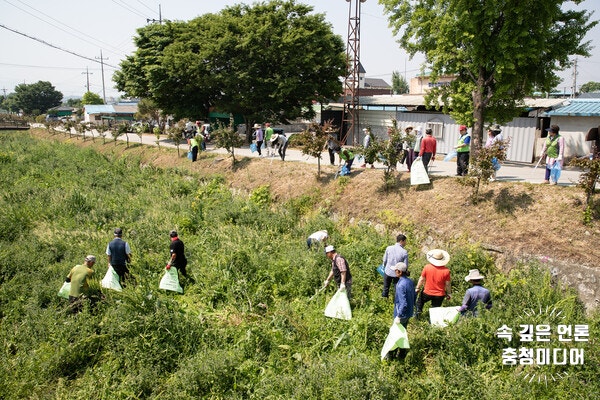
{"x":118,"y":51}
{"x":129,"y":8}
{"x":54,"y":46}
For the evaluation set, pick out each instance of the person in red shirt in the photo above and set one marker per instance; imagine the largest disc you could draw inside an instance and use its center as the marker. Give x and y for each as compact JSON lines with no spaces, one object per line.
{"x":428,"y":149}
{"x":435,"y":281}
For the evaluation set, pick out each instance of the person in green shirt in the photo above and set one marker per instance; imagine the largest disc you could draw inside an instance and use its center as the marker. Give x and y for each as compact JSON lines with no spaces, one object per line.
{"x":348,"y":158}
{"x":79,"y":276}
{"x":195,"y":147}
{"x":268,"y":134}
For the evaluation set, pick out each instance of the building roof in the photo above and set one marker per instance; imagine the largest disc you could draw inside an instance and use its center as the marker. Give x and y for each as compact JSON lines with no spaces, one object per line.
{"x":99,"y":109}
{"x":576,"y":108}
{"x":376,"y":83}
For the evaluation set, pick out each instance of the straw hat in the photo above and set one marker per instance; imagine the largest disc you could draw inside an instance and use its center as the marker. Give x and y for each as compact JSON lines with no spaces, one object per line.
{"x":438,"y":257}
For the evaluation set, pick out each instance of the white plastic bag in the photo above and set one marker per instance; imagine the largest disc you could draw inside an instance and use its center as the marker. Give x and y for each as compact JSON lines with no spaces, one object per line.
{"x":396,"y":339}
{"x":170,"y":281}
{"x":64,"y":290}
{"x":339,"y":306}
{"x":418,"y":175}
{"x":111,"y":280}
{"x":443,"y":316}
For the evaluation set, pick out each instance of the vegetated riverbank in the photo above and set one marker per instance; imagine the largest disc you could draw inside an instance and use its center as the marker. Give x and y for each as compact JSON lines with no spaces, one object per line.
{"x":252,"y":324}
{"x":516,"y":222}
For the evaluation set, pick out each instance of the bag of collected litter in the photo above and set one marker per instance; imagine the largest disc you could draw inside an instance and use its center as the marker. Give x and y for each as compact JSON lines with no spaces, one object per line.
{"x":555,"y":171}
{"x":418,"y":175}
{"x":253,"y":147}
{"x":381,"y":270}
{"x":443,"y":316}
{"x":111,"y":280}
{"x":170,"y":281}
{"x":396,"y":339}
{"x":450,"y":156}
{"x":64,"y":290}
{"x":339,"y":306}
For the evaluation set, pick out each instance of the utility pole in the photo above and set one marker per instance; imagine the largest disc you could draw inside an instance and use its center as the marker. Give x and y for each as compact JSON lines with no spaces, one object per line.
{"x":148,"y":20}
{"x":574,"y":88}
{"x":88,"y":73}
{"x":102,"y":68}
{"x":350,"y":121}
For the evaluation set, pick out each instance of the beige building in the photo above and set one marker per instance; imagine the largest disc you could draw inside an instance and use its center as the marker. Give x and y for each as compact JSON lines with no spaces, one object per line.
{"x":422,"y":84}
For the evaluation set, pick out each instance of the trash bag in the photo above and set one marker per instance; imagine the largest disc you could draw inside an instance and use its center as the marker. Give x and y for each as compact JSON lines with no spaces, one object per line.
{"x":555,"y":171}
{"x":495,"y":164}
{"x":64,"y":290}
{"x":111,"y":280}
{"x":396,"y":339}
{"x":339,"y":306}
{"x":345,"y":170}
{"x":443,"y":316}
{"x":170,"y":281}
{"x":418,"y":175}
{"x":253,"y":147}
{"x":450,"y":156}
{"x":190,"y":155}
{"x":381,"y":269}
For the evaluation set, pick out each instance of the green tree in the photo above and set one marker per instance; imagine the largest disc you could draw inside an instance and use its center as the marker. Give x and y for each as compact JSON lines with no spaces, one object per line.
{"x":10,"y":103}
{"x":243,"y":60}
{"x":226,"y":137}
{"x":91,"y":98}
{"x":39,"y":97}
{"x":499,"y":51}
{"x":399,"y":84}
{"x":313,"y":142}
{"x":590,"y":87}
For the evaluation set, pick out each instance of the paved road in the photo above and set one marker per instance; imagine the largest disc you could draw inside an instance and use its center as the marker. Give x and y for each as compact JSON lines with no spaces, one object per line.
{"x":510,"y":171}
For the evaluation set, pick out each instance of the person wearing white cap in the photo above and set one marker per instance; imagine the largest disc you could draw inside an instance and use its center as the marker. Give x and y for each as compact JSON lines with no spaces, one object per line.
{"x":477,"y":293}
{"x":340,"y":271}
{"x":78,"y":276}
{"x":435,"y":281}
{"x":393,"y":255}
{"x":317,"y":237}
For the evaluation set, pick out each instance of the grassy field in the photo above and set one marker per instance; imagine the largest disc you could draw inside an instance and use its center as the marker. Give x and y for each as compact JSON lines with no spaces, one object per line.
{"x":247,"y":328}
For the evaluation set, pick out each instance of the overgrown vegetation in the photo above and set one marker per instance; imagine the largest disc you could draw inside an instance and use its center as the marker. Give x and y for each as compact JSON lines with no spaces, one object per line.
{"x":246,"y":329}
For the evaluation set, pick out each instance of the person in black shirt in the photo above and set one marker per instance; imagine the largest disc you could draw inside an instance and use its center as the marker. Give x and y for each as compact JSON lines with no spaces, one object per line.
{"x":118,"y":253}
{"x":178,"y":260}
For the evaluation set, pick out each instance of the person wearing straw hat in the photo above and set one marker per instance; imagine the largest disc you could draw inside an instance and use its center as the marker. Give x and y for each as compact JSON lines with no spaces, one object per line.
{"x":280,"y":142}
{"x":475,"y":294}
{"x":259,"y":137}
{"x":434,"y":280}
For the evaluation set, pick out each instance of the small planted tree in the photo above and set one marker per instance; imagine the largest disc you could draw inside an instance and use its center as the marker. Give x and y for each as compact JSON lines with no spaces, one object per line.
{"x":389,"y":151}
{"x":175,"y":133}
{"x":482,"y":166}
{"x":157,"y":132}
{"x":313,"y":141}
{"x":587,"y":181}
{"x":115,"y":133}
{"x":102,"y":131}
{"x":226,"y":137}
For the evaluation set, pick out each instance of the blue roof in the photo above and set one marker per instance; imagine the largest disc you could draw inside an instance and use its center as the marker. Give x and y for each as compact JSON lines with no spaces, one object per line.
{"x":577,"y":108}
{"x":99,"y":109}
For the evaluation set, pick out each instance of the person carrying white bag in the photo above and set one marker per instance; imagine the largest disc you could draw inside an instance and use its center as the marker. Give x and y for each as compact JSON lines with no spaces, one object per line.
{"x":340,"y":271}
{"x":404,"y":304}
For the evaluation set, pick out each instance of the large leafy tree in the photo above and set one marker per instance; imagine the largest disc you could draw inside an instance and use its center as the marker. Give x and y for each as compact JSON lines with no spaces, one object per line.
{"x":37,"y":97}
{"x":590,"y":87}
{"x":267,"y":62}
{"x":91,"y":98}
{"x":500,"y":51}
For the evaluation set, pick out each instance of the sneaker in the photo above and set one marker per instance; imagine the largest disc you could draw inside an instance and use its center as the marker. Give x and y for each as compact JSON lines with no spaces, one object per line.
{"x":553,"y":183}
{"x":546,"y":182}
{"x":372,"y":166}
{"x":364,"y":166}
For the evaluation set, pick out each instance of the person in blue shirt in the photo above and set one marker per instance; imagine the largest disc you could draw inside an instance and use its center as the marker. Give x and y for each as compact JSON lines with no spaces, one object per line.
{"x":392,"y":256}
{"x":477,"y":293}
{"x":404,"y":300}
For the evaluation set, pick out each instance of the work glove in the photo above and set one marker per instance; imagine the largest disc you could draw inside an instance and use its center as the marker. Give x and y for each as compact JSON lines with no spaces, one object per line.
{"x":397,"y":320}
{"x":326,"y":283}
{"x":342,"y":286}
{"x":559,"y":158}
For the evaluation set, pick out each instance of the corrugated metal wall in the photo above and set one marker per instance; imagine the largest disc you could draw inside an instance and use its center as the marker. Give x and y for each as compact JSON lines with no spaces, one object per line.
{"x":520,"y":130}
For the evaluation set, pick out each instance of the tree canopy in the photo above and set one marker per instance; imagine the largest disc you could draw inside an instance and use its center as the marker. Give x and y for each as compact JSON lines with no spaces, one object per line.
{"x":91,"y":98}
{"x":590,"y":87}
{"x":399,"y":84}
{"x":500,"y":51}
{"x":268,"y":61}
{"x":37,"y":97}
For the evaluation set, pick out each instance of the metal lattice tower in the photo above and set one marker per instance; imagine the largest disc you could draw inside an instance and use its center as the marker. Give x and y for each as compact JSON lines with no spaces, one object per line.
{"x":350,"y":122}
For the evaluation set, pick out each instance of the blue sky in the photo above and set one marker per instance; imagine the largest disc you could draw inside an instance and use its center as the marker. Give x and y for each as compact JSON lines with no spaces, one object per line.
{"x":88,"y":28}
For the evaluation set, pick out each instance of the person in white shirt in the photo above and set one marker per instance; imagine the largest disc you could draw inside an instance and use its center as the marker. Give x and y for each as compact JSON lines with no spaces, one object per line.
{"x":317,"y":237}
